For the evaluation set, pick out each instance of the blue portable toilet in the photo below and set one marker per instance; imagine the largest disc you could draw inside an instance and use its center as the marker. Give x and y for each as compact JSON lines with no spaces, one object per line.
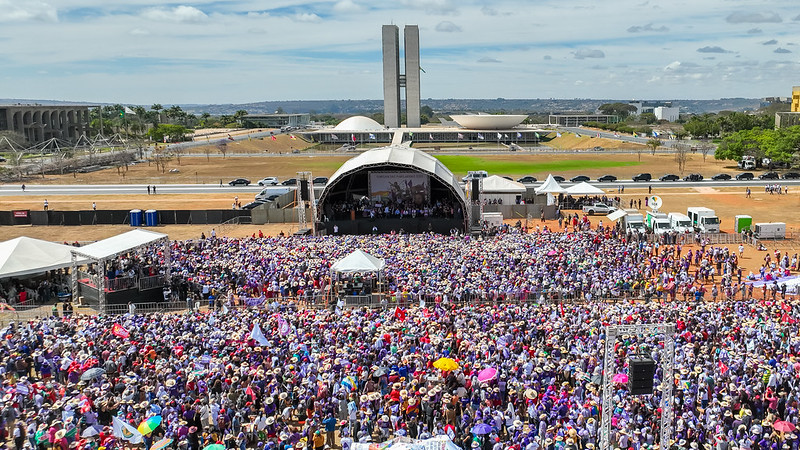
{"x":136,"y":217}
{"x":151,"y":218}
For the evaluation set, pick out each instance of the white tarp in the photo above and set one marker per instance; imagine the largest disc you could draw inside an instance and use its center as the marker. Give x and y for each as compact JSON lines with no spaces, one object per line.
{"x":497,"y":183}
{"x":550,"y":186}
{"x":358,"y":261}
{"x":584,"y":188}
{"x":404,"y":443}
{"x":27,"y":256}
{"x":616,"y":215}
{"x":120,"y":243}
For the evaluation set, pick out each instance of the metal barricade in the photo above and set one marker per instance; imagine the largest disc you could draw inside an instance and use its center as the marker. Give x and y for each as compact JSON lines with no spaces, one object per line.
{"x":156,"y":281}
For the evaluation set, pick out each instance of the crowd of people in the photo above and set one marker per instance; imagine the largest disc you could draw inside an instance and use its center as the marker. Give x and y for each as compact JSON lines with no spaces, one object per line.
{"x":367,"y":208}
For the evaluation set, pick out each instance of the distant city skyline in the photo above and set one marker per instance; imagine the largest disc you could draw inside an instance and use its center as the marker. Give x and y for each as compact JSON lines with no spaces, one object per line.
{"x":240,"y":51}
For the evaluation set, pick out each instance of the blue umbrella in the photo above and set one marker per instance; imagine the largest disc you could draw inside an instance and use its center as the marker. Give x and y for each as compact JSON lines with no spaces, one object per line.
{"x":482,"y":428}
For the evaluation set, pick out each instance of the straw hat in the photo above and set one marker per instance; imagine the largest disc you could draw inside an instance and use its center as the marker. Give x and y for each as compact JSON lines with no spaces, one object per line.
{"x":60,"y":434}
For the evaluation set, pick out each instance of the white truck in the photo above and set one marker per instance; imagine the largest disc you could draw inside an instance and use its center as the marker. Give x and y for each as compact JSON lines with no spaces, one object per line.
{"x":634,"y":221}
{"x":598,"y":208}
{"x":658,"y":222}
{"x":703,"y":219}
{"x":775,"y":230}
{"x":748,"y":162}
{"x":680,"y":222}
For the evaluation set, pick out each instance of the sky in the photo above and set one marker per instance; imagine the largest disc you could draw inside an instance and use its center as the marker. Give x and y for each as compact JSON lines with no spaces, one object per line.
{"x":239,"y":51}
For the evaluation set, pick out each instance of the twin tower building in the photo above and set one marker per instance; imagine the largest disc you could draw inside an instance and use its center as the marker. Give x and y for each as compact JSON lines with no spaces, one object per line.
{"x":393,"y":80}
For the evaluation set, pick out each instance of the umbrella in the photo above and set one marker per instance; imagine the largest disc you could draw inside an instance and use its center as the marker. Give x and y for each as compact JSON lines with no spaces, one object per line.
{"x":89,"y":432}
{"x":445,"y":364}
{"x":379,"y":372}
{"x":482,"y":428}
{"x":487,"y":374}
{"x":214,"y":447}
{"x":620,"y":378}
{"x":150,"y":424}
{"x":92,"y":373}
{"x":162,"y":444}
{"x":783,"y":426}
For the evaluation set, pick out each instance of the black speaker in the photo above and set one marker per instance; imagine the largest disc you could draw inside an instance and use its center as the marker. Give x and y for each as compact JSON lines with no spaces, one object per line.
{"x":476,"y":189}
{"x":304,"y":191}
{"x":641,"y":371}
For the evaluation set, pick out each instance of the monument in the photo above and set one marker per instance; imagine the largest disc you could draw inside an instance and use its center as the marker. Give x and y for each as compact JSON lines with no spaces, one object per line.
{"x":393,"y":80}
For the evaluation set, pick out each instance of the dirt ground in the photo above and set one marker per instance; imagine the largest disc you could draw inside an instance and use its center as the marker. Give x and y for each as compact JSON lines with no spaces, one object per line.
{"x":568,"y":141}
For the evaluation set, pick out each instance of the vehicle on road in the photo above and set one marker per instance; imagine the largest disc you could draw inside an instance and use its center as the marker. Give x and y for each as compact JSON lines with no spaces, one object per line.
{"x":239,"y":182}
{"x":598,"y":208}
{"x":579,"y":178}
{"x":607,"y":178}
{"x":693,"y":177}
{"x":268,"y":181}
{"x":745,"y":176}
{"x":527,"y":179}
{"x":290,"y":182}
{"x":559,"y":178}
{"x":475,"y":175}
{"x":320,"y":180}
{"x":721,"y":177}
{"x":642,"y":177}
{"x":791,"y":176}
{"x":769,"y":176}
{"x":669,"y":177}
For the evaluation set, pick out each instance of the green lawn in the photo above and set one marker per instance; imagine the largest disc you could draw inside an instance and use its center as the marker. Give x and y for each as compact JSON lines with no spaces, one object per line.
{"x":459,"y":165}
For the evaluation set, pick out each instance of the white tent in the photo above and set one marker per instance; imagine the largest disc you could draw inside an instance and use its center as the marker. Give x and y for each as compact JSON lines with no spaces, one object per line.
{"x":27,"y":256}
{"x":358,"y":261}
{"x":584,"y":188}
{"x":550,"y":186}
{"x":497,"y":183}
{"x":120,"y":243}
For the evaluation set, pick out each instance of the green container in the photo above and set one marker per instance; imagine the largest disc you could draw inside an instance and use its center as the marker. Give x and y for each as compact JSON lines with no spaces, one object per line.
{"x":742,"y":223}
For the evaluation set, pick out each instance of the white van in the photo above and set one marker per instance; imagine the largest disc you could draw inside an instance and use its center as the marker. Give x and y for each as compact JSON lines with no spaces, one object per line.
{"x":475,"y":175}
{"x":680,"y":222}
{"x":776,"y":230}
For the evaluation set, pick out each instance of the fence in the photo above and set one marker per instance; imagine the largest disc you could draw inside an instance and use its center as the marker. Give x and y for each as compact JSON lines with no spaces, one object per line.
{"x":156,"y":281}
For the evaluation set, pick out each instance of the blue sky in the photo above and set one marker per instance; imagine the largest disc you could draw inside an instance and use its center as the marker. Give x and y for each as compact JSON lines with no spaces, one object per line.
{"x":237,"y":51}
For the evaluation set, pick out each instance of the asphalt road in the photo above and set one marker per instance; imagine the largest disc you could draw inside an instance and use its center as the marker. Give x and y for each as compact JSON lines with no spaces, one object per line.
{"x":122,"y":189}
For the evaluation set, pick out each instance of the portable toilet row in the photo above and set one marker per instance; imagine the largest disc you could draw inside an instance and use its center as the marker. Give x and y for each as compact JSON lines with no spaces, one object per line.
{"x":150,"y":218}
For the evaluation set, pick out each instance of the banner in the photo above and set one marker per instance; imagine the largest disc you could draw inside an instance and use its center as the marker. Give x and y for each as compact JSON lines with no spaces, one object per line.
{"x":126,"y":432}
{"x":120,"y":331}
{"x":400,"y":187}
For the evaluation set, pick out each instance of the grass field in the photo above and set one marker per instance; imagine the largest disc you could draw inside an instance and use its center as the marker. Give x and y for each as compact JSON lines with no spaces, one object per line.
{"x":510,"y":165}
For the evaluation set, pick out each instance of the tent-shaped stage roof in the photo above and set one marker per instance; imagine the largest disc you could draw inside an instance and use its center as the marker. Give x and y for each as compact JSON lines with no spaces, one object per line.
{"x":27,"y":256}
{"x":358,"y":261}
{"x":584,"y":188}
{"x":120,"y":243}
{"x":497,"y":184}
{"x":550,"y":186}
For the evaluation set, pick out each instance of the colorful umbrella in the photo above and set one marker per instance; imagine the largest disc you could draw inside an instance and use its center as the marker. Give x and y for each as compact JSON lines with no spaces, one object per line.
{"x":150,"y":424}
{"x":214,"y":447}
{"x":487,"y":374}
{"x":620,"y":378}
{"x":482,"y":428}
{"x":445,"y":364}
{"x":783,"y":426}
{"x":162,"y":444}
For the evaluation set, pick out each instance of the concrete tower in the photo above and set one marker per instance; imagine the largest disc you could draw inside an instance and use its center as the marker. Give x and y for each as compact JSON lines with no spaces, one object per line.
{"x":393,"y":80}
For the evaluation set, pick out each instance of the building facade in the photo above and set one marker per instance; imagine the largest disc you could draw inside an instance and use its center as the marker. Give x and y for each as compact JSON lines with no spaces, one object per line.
{"x":39,"y":123}
{"x":393,"y":80}
{"x":787,"y":119}
{"x":668,"y":113}
{"x":576,"y":120}
{"x":276,"y":120}
{"x":795,"y":99}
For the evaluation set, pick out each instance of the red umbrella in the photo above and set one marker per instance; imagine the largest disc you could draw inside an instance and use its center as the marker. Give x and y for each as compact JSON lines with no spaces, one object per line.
{"x":783,"y":426}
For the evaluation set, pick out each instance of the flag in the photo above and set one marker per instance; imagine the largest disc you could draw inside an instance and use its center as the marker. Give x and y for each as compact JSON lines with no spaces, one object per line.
{"x":519,"y":135}
{"x":372,"y":136}
{"x":257,"y":335}
{"x":353,"y":137}
{"x":411,"y":134}
{"x":126,"y":432}
{"x":249,"y":138}
{"x":292,"y":137}
{"x":535,"y":133}
{"x":505,"y":135}
{"x":120,"y":331}
{"x":430,"y":136}
{"x":334,"y":137}
{"x":722,"y":367}
{"x":558,"y":134}
{"x":460,"y":136}
{"x":655,"y":134}
{"x":786,"y":318}
{"x":399,"y":313}
{"x":598,"y":134}
{"x":634,"y":134}
{"x":480,"y":136}
{"x":274,"y":138}
{"x":499,"y":136}
{"x":577,"y":135}
{"x":250,"y":392}
{"x":422,"y":70}
{"x":283,"y":326}
{"x":561,"y":309}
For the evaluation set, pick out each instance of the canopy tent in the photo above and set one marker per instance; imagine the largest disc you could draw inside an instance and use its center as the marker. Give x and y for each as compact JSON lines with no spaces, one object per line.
{"x":584,"y":188}
{"x":27,"y":256}
{"x":405,"y":443}
{"x":358,"y":261}
{"x":550,"y":186}
{"x":616,"y":215}
{"x":496,"y":183}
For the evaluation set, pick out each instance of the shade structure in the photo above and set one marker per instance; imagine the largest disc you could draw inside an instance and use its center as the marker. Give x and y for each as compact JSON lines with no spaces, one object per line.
{"x":445,"y":364}
{"x":150,"y":424}
{"x":358,"y":261}
{"x":550,"y":186}
{"x":495,"y":183}
{"x":487,"y":374}
{"x":118,"y":244}
{"x":584,"y":188}
{"x":27,"y":256}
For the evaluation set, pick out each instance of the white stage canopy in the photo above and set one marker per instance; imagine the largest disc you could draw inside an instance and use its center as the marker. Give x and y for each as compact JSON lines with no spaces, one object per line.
{"x":118,"y":244}
{"x":358,"y":261}
{"x":27,"y":256}
{"x":584,"y":188}
{"x":550,"y":186}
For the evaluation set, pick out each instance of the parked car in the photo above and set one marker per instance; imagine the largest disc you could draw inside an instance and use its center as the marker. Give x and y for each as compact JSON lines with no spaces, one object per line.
{"x":598,"y":208}
{"x":669,"y":177}
{"x":579,"y":178}
{"x":320,"y":180}
{"x":268,"y":181}
{"x":253,"y":204}
{"x":746,"y":176}
{"x":607,"y":178}
{"x":721,"y":177}
{"x":290,"y":182}
{"x":239,"y":182}
{"x":527,"y":179}
{"x":769,"y":176}
{"x":693,"y":177}
{"x":559,"y":178}
{"x":643,"y":177}
{"x":791,"y":175}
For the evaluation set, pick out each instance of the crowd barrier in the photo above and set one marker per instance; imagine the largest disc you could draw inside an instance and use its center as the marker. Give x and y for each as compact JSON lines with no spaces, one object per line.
{"x":120,"y":217}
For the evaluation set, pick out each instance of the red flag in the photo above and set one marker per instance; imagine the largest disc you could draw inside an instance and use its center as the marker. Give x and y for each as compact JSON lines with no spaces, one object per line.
{"x":722,"y":367}
{"x":400,"y":314}
{"x":353,"y":137}
{"x":119,"y":331}
{"x":274,"y":138}
{"x":787,"y":319}
{"x":561,"y":309}
{"x":250,"y":392}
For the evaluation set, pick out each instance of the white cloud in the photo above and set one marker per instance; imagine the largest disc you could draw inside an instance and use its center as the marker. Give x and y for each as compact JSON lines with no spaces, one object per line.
{"x":307,"y":17}
{"x":487,"y":59}
{"x":431,"y":6}
{"x":712,"y":49}
{"x":489,"y":11}
{"x":782,"y":50}
{"x":139,"y":32}
{"x":24,"y":10}
{"x":347,"y":6}
{"x":589,"y":53}
{"x":179,"y":14}
{"x":647,"y":28}
{"x":754,"y":31}
{"x":753,"y":17}
{"x":448,"y":27}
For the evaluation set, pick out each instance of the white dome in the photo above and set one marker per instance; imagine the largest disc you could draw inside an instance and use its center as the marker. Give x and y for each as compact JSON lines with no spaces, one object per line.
{"x":489,"y":121}
{"x":358,"y":123}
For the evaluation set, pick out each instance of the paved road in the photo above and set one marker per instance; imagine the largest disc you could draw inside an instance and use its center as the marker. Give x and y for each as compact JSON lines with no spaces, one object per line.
{"x":122,"y":189}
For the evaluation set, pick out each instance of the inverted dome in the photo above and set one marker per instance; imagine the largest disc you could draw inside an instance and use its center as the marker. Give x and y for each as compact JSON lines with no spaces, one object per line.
{"x":489,"y":121}
{"x":358,"y":123}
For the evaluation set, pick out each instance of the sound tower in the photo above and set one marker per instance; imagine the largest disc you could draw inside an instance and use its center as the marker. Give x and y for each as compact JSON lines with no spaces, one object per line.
{"x":641,"y":371}
{"x":476,"y":190}
{"x":304,"y":191}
